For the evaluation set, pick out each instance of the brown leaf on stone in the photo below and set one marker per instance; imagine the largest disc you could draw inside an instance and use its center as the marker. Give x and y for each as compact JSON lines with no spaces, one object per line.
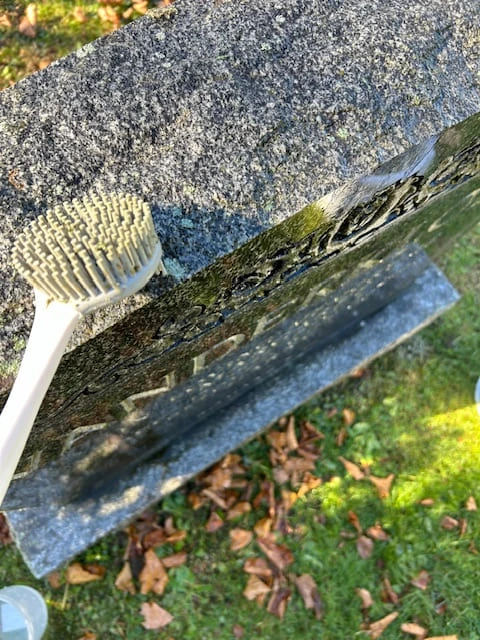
{"x":376,"y":629}
{"x":364,"y":547}
{"x":174,"y":560}
{"x":414,"y":629}
{"x":238,"y":631}
{"x":239,"y":509}
{"x":471,"y":504}
{"x":263,"y":527}
{"x":258,"y":567}
{"x":449,"y":523}
{"x":365,"y":597}
{"x":124,"y":580}
{"x":354,"y":521}
{"x":214,"y":522}
{"x":421,"y":580}
{"x":427,"y":502}
{"x":154,"y":617}
{"x":239,"y":538}
{"x":352,"y":468}
{"x":153,"y":577}
{"x":27,"y":26}
{"x":255,"y":587}
{"x":348,"y":417}
{"x":277,"y":604}
{"x":278,"y":554}
{"x":308,"y":590}
{"x":388,"y":594}
{"x":377,"y":533}
{"x":383,"y":485}
{"x":76,"y":574}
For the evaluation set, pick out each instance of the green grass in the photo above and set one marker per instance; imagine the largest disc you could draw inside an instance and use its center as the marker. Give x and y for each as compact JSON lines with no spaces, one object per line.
{"x":415,"y":418}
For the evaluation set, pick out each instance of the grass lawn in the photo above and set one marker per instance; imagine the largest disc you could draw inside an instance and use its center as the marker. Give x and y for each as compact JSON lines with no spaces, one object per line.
{"x":411,"y":414}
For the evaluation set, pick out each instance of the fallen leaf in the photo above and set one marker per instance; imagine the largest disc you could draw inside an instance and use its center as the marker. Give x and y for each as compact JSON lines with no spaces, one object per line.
{"x":277,"y":604}
{"x":341,"y":436}
{"x":214,"y":522}
{"x":354,"y":521}
{"x":278,"y":554}
{"x":239,"y":538}
{"x":79,"y":15}
{"x":255,"y":587}
{"x":280,"y":475}
{"x":309,"y":482}
{"x":421,"y":580}
{"x":277,"y":440}
{"x":382,"y":484}
{"x":388,"y":594}
{"x":5,"y":20}
{"x":377,"y":533}
{"x":290,"y":435}
{"x":365,"y":597}
{"x":177,"y":536}
{"x":239,"y":509}
{"x":288,"y":499}
{"x":442,"y":638}
{"x":299,"y":465}
{"x":124,"y":580}
{"x":174,"y":560}
{"x":376,"y":629}
{"x":153,"y":576}
{"x":258,"y":567}
{"x":196,"y":501}
{"x":348,"y":417}
{"x":427,"y":502}
{"x":27,"y":26}
{"x":238,"y":631}
{"x":352,"y":468}
{"x":263,"y":527}
{"x":364,"y":547}
{"x":154,"y":538}
{"x":76,"y":574}
{"x":414,"y":629}
{"x":308,"y":590}
{"x":449,"y":523}
{"x":155,"y":617}
{"x":54,"y":580}
{"x":108,"y":14}
{"x":88,"y":636}
{"x":471,"y":505}
{"x":462,"y":526}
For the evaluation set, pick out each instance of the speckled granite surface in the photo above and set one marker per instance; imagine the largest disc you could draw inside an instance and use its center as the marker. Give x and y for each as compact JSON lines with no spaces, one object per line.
{"x":227,"y":117}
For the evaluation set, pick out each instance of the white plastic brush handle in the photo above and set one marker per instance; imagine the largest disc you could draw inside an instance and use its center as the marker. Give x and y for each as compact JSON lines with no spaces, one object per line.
{"x":52,"y":327}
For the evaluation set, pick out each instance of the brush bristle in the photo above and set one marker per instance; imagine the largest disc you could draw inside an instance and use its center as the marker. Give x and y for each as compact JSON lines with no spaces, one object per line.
{"x":87,"y":248}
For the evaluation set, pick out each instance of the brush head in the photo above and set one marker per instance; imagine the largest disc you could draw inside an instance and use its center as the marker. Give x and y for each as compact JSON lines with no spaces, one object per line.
{"x":90,"y":252}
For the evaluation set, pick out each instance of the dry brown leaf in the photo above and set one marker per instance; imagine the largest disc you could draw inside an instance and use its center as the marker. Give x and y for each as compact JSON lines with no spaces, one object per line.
{"x":421,"y":580}
{"x":280,"y":475}
{"x":427,"y":502}
{"x":154,"y":616}
{"x":239,"y":538}
{"x":449,"y":523}
{"x":348,"y":417}
{"x":76,"y":574}
{"x":108,"y":14}
{"x":364,"y":547}
{"x":471,"y":504}
{"x":354,"y":521}
{"x":365,"y":597}
{"x":54,"y":580}
{"x":239,"y":509}
{"x":258,"y":567}
{"x":255,"y":587}
{"x":288,"y":499}
{"x":442,"y":638}
{"x":383,"y":485}
{"x":177,"y":536}
{"x":377,"y":533}
{"x":278,"y":554}
{"x":376,"y":629}
{"x":88,"y":636}
{"x":309,"y":482}
{"x":277,"y":440}
{"x":238,"y":631}
{"x":352,"y":468}
{"x":298,"y":465}
{"x":124,"y":580}
{"x":309,"y":432}
{"x":214,"y":522}
{"x":277,"y":604}
{"x":308,"y":590}
{"x":290,"y":435}
{"x":27,"y":26}
{"x":79,"y":15}
{"x":341,"y":436}
{"x":154,"y":538}
{"x":462,"y":526}
{"x":153,"y":576}
{"x":196,"y":501}
{"x":174,"y":560}
{"x":140,"y":6}
{"x":263,"y":527}
{"x":388,"y":594}
{"x":5,"y":20}
{"x":414,"y":629}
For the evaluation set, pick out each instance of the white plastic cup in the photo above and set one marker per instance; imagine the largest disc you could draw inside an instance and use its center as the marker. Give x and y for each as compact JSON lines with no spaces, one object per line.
{"x":23,"y":613}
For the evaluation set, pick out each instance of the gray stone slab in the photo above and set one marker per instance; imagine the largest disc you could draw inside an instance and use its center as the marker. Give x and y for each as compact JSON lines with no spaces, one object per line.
{"x":227,"y":117}
{"x":50,"y":534}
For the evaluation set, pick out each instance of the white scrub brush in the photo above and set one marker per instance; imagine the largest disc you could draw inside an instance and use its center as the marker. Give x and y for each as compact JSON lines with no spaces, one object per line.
{"x":78,"y":257}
